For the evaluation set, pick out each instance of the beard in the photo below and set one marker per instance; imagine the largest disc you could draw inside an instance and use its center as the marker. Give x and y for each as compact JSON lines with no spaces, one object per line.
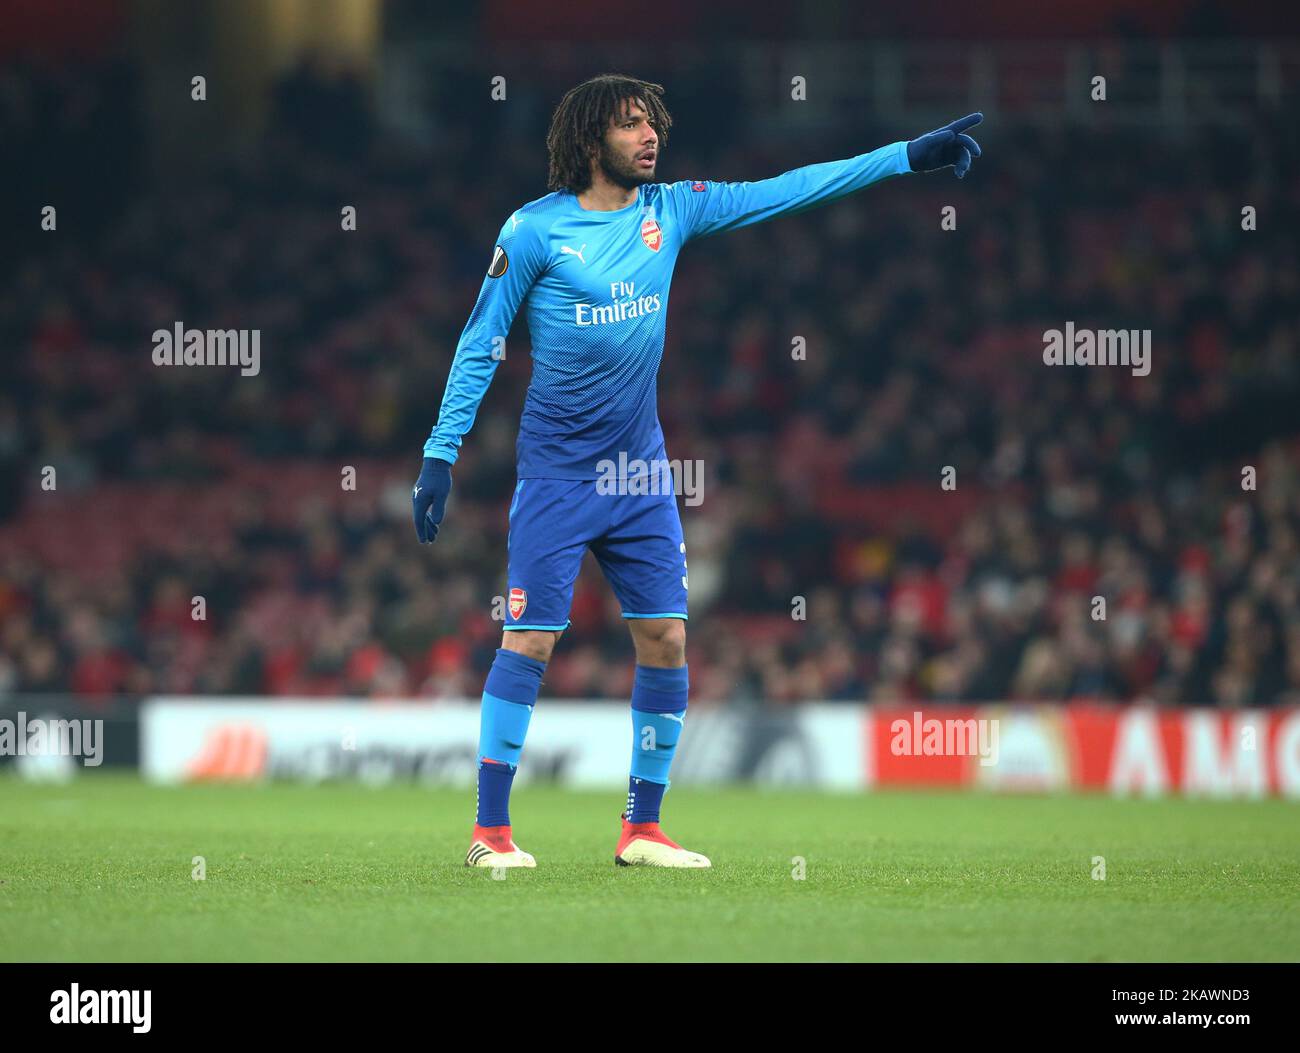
{"x":621,"y":171}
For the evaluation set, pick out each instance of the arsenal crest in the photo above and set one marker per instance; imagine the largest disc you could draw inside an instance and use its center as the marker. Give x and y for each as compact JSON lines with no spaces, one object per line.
{"x":518,"y":601}
{"x":651,"y":234}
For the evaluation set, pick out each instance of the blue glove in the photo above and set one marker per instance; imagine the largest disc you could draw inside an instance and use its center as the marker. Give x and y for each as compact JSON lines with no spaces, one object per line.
{"x":945,"y":146}
{"x":429,"y":498}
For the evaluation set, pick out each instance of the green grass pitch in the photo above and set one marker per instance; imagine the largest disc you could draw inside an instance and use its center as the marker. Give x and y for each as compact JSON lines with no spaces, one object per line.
{"x":101,"y":869}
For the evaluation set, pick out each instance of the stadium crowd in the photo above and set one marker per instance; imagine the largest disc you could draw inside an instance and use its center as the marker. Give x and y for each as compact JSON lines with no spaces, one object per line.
{"x":826,"y":559}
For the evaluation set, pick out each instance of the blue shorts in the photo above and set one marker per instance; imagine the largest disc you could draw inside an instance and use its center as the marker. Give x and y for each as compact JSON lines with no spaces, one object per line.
{"x":636,"y":538}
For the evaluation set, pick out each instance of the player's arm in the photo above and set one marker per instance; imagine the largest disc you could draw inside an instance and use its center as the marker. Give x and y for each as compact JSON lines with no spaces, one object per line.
{"x":517,"y":260}
{"x":709,"y":208}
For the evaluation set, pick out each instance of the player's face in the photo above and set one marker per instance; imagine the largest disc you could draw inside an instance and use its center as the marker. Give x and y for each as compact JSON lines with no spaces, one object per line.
{"x":630,"y":148}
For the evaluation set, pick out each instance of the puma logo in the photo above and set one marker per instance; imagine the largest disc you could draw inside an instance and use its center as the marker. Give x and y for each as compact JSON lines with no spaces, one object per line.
{"x":566,"y":251}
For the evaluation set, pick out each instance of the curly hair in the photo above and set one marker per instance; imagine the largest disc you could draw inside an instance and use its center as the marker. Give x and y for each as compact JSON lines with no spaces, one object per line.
{"x":582,"y":118}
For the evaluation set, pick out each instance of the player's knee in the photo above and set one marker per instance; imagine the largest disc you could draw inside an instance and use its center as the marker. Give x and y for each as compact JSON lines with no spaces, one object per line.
{"x":661,"y":642}
{"x":535,"y":643}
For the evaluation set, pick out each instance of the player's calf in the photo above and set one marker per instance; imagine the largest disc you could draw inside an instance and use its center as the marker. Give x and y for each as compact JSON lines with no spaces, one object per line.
{"x":659,"y":701}
{"x":507,"y":708}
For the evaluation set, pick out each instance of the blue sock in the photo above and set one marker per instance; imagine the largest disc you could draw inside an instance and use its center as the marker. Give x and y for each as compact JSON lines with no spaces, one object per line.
{"x":644,"y":799}
{"x":508,"y":699}
{"x":659,"y":698}
{"x":494,"y":782}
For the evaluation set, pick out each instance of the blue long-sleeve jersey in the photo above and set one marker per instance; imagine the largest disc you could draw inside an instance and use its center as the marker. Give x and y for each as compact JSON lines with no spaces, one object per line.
{"x":596,"y":285}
